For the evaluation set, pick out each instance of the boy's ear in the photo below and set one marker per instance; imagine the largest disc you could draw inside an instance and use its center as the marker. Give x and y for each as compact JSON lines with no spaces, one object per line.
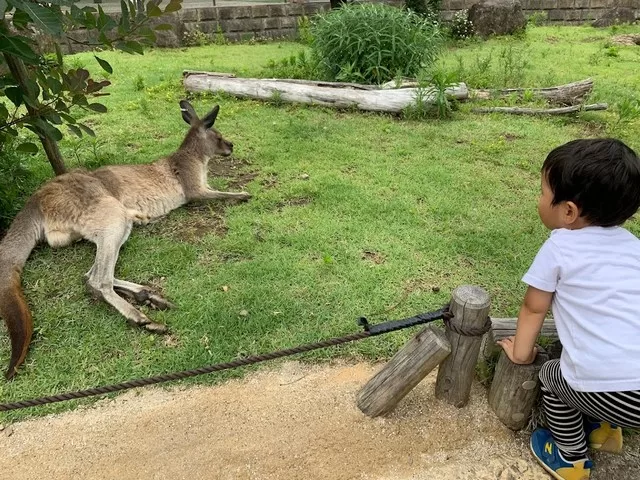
{"x":571,"y":213}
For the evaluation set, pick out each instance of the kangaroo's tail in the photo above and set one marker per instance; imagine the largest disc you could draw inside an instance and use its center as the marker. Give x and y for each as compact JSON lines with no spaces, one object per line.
{"x":25,"y":232}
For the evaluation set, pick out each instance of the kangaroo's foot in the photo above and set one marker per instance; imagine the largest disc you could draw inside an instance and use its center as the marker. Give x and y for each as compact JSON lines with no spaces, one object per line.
{"x":134,"y":316}
{"x":140,"y":294}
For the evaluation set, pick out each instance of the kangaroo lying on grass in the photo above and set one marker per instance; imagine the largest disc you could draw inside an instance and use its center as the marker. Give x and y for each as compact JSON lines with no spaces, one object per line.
{"x":101,"y":206}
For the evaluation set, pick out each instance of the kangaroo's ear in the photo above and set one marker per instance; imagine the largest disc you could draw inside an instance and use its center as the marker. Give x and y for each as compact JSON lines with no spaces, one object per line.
{"x":210,"y":118}
{"x":188,"y":113}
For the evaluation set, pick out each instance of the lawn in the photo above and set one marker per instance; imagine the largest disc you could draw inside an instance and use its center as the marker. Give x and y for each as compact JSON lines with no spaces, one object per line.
{"x":352,"y":214}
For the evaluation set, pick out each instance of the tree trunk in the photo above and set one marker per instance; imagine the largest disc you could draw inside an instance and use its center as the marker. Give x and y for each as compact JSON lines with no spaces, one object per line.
{"x":318,"y":93}
{"x":20,"y":75}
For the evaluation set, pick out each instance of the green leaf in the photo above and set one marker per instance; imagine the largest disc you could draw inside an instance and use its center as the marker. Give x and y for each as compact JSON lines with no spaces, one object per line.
{"x":16,"y":46}
{"x":104,"y":64}
{"x":49,"y":130}
{"x":163,"y":26}
{"x":173,"y":6}
{"x":87,"y":130}
{"x":97,"y":107}
{"x":20,"y":19}
{"x":47,"y":18}
{"x":124,"y":19}
{"x":27,"y":147}
{"x":153,"y":10}
{"x":75,"y":130}
{"x":134,"y":46}
{"x":59,"y":54}
{"x":54,"y":85}
{"x":68,"y":118}
{"x":14,"y":94}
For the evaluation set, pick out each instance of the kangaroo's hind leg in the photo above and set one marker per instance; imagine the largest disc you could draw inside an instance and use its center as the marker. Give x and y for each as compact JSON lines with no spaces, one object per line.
{"x":140,"y":294}
{"x":109,"y":234}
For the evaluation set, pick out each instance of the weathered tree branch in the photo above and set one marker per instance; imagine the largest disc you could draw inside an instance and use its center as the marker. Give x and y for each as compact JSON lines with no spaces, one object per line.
{"x":542,"y":111}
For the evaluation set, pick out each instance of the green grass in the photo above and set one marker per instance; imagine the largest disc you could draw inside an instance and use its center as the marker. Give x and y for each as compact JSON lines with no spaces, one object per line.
{"x":390,"y":209}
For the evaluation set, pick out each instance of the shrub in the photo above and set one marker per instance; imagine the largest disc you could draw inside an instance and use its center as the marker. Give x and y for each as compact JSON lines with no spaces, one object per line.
{"x":373,"y":43}
{"x":461,"y":28}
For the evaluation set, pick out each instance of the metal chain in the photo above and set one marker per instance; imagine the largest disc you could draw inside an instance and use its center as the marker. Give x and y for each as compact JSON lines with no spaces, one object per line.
{"x":369,"y":331}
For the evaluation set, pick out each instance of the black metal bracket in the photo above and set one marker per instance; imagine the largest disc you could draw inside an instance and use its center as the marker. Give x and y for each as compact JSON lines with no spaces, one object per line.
{"x":394,"y":325}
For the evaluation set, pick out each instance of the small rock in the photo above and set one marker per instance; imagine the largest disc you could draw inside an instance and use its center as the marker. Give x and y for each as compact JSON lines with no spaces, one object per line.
{"x":225,"y":288}
{"x":8,"y":431}
{"x":304,"y":176}
{"x":243,"y":313}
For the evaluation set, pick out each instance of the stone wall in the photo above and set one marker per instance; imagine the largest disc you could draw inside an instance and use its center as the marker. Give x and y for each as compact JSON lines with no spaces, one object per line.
{"x":566,"y":11}
{"x":234,"y":22}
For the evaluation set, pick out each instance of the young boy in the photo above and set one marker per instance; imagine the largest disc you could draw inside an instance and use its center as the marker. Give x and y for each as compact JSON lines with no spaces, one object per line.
{"x":588,"y":272}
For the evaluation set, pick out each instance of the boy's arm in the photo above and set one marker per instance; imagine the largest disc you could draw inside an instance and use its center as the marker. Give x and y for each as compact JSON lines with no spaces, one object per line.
{"x":520,"y":349}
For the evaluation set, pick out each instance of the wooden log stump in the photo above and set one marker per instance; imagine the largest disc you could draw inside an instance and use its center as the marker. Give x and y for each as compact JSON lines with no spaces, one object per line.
{"x":403,"y":372}
{"x":506,"y":327}
{"x":470,"y":308}
{"x":514,"y":390}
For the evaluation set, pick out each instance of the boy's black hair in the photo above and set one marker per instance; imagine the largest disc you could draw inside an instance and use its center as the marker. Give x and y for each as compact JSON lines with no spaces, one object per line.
{"x":601,"y":176}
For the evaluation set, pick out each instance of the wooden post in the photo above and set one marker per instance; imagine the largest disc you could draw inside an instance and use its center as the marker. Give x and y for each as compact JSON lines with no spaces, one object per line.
{"x":403,"y":372}
{"x":470,"y":306}
{"x":506,"y":327}
{"x":514,"y":390}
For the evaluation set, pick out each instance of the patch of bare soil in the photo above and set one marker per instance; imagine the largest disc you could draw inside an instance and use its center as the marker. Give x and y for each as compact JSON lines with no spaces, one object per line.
{"x":627,"y":39}
{"x":293,"y":422}
{"x":204,"y":217}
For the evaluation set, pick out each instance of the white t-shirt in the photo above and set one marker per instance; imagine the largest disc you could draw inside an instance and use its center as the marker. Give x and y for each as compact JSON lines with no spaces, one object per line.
{"x":595,"y":274}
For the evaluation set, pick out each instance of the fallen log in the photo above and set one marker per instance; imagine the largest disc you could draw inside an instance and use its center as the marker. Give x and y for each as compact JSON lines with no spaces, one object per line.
{"x":569,"y":94}
{"x":506,"y":327}
{"x":346,"y":96}
{"x":542,"y":111}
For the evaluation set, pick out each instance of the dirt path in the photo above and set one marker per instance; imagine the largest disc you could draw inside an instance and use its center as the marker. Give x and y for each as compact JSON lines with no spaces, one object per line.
{"x":293,"y":422}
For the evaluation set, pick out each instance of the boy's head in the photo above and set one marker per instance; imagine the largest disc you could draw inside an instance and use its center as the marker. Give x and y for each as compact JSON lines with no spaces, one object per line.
{"x":590,"y":182}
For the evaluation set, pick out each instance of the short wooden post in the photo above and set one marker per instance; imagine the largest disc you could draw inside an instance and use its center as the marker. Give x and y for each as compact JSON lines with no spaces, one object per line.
{"x":514,"y":390}
{"x":403,"y":372}
{"x":470,"y":307}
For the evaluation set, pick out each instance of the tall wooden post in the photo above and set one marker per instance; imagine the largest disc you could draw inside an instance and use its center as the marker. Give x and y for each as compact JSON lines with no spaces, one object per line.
{"x":514,"y":390}
{"x":470,"y":308}
{"x":403,"y":372}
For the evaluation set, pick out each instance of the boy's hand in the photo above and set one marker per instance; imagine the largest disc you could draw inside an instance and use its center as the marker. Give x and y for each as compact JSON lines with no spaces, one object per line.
{"x":507,"y":345}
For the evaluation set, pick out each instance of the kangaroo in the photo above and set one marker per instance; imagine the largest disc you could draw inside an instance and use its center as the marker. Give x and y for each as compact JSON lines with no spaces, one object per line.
{"x":101,"y":206}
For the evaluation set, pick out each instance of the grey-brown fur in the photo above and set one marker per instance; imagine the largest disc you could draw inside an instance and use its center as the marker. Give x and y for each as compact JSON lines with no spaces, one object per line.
{"x":101,"y":206}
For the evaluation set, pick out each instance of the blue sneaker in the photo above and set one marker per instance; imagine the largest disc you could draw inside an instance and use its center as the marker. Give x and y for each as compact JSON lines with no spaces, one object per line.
{"x":545,"y":450}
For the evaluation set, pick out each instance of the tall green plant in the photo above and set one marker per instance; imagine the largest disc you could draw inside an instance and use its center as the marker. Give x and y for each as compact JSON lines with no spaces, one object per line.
{"x":374,"y":43}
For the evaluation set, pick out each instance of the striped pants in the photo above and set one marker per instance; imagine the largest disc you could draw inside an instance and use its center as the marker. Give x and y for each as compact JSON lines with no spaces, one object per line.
{"x":566,"y":409}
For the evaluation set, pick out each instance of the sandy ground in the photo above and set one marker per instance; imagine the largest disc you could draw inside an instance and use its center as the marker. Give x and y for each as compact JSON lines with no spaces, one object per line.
{"x":292,"y":422}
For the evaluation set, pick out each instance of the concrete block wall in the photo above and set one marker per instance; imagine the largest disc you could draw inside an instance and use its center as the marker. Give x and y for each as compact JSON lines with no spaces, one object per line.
{"x":563,"y":11}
